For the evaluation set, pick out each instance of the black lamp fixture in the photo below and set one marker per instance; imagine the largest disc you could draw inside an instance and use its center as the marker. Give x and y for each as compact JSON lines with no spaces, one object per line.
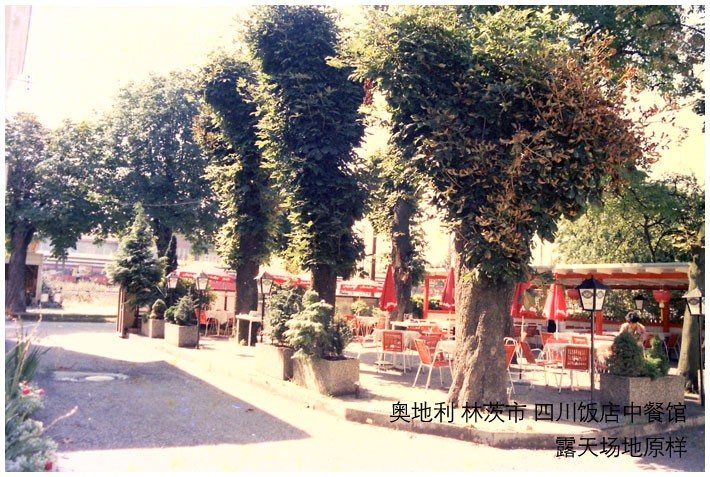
{"x":172,"y":281}
{"x":639,"y":301}
{"x":695,"y":300}
{"x":592,"y":294}
{"x":201,"y":281}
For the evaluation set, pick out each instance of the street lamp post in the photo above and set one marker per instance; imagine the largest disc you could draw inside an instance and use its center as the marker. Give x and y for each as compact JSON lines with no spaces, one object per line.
{"x":266,"y":281}
{"x":201,"y":283}
{"x":172,"y":280}
{"x":592,"y":294}
{"x":695,"y":299}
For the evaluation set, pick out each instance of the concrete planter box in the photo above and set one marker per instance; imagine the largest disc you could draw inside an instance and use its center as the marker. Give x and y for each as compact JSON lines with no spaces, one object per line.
{"x":153,"y":328}
{"x":182,"y":336}
{"x":331,"y":377}
{"x":274,"y":361}
{"x":623,"y":390}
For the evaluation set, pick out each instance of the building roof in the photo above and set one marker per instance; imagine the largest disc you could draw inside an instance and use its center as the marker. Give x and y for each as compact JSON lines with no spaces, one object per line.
{"x":650,"y":276}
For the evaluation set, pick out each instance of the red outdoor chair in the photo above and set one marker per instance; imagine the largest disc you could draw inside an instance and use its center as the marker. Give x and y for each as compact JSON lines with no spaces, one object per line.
{"x":427,"y":359}
{"x":580,"y":340}
{"x":576,"y":358}
{"x":392,"y":342}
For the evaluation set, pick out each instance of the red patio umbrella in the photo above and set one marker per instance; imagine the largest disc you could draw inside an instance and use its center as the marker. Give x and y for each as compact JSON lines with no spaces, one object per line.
{"x":555,"y":304}
{"x":388,"y":298}
{"x":447,"y":295}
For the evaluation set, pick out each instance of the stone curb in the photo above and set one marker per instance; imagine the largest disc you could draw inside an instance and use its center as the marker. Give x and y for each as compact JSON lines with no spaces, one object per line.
{"x":495,"y":438}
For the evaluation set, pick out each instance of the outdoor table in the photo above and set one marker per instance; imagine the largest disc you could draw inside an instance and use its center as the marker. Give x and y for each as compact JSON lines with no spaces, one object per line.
{"x":250,"y":319}
{"x":447,"y":348}
{"x":221,"y":316}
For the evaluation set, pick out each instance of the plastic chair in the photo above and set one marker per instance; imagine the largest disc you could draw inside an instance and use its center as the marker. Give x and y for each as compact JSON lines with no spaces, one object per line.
{"x":580,"y":340}
{"x":210,"y":323}
{"x":576,"y":358}
{"x":427,"y":359}
{"x":526,"y":353}
{"x":392,"y":342}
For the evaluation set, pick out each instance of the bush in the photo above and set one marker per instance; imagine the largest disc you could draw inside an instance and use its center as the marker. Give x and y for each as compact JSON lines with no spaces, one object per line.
{"x":26,"y":448}
{"x":627,"y":358}
{"x":157,"y":312}
{"x":283,"y":304}
{"x":313,"y":332}
{"x":184,"y":313}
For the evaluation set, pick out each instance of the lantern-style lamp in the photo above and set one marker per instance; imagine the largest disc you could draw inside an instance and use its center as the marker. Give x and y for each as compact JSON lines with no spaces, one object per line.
{"x":695,"y":299}
{"x":201,"y":281}
{"x":592,"y":294}
{"x":172,"y":280}
{"x":266,"y":282}
{"x":639,"y":302}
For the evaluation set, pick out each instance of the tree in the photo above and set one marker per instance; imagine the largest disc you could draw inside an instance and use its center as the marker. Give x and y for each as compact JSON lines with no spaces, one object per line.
{"x":227,"y":130}
{"x":514,"y":129}
{"x":151,"y":157}
{"x":47,"y":193}
{"x":310,"y":127}
{"x":651,"y":221}
{"x":135,"y":268}
{"x":393,"y":208}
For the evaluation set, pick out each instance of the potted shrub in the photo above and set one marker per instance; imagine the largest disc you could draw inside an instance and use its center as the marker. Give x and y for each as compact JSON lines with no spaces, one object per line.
{"x":181,"y":328}
{"x":319,"y":341}
{"x":275,"y":358}
{"x":633,"y":379}
{"x":155,"y":325}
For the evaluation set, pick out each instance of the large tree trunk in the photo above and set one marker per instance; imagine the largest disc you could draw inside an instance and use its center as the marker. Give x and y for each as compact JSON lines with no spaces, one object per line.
{"x":482,"y":306}
{"x":247,"y":289}
{"x":402,"y":251}
{"x":324,"y":282}
{"x":20,"y":239}
{"x":689,"y":359}
{"x":162,"y":238}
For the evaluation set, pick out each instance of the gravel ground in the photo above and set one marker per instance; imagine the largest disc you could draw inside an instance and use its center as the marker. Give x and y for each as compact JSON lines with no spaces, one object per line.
{"x":145,"y":410}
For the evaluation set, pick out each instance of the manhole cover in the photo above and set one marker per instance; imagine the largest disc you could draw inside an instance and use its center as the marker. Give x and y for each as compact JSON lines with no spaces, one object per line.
{"x":100,"y":377}
{"x":78,"y":376}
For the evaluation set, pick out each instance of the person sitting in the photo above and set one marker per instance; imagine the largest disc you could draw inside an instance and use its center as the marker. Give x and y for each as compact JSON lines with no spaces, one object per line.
{"x":634,"y":327}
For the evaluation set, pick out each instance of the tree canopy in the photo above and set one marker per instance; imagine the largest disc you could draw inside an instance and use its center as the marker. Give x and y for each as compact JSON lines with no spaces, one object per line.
{"x":310,"y":125}
{"x":47,"y":194}
{"x":653,"y":220}
{"x":151,"y":157}
{"x":514,"y":128}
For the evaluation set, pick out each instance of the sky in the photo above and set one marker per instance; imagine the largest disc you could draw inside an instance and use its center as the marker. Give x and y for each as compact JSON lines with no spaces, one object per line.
{"x":78,"y":56}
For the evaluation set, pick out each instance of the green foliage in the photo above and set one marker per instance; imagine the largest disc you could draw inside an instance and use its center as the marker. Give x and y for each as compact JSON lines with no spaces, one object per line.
{"x":171,"y":258}
{"x":282,"y":305}
{"x":26,"y":448}
{"x":361,"y":308}
{"x":135,"y":267}
{"x":309,"y":128}
{"x":157,"y":311}
{"x":313,"y":332}
{"x":510,"y":124}
{"x":151,"y":157}
{"x":183,"y":313}
{"x":651,"y":221}
{"x":626,"y":358}
{"x":657,"y":357}
{"x":227,"y":131}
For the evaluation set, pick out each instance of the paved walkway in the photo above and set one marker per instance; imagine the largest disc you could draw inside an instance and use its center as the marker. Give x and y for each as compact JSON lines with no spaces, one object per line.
{"x":387,"y":398}
{"x":382,"y":392}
